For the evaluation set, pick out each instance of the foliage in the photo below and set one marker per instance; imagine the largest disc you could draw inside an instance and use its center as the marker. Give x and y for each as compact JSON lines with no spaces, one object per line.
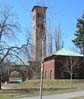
{"x":79,"y":34}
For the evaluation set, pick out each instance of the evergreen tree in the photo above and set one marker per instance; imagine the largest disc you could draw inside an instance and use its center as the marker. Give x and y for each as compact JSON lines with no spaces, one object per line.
{"x":79,"y":40}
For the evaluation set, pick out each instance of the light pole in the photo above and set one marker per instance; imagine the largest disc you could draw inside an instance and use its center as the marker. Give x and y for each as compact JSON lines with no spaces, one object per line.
{"x":42,"y":69}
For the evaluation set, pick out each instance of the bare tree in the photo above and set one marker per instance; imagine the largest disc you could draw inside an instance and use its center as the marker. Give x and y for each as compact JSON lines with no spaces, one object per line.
{"x":50,"y":39}
{"x":58,"y":39}
{"x":8,"y":24}
{"x":70,"y":65}
{"x":8,"y":29}
{"x":28,"y":50}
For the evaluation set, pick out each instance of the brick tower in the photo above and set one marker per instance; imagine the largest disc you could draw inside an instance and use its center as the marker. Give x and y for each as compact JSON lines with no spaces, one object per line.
{"x":39,"y":31}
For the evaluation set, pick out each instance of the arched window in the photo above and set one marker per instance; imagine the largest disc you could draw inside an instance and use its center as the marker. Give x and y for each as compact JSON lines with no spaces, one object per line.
{"x":50,"y":74}
{"x":45,"y":74}
{"x":15,"y":76}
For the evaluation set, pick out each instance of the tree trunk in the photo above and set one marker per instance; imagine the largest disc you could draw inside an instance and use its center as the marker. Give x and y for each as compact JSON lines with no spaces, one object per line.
{"x":0,"y":82}
{"x":71,"y":81}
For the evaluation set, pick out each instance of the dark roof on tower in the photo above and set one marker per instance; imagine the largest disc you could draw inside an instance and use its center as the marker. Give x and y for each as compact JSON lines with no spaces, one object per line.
{"x":38,"y":7}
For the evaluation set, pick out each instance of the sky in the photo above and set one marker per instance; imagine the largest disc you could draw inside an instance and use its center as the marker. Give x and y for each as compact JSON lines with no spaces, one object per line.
{"x":62,"y":12}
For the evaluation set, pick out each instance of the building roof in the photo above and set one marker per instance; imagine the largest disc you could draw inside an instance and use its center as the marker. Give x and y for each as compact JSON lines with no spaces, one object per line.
{"x":38,"y":7}
{"x":18,"y":62}
{"x":64,"y":52}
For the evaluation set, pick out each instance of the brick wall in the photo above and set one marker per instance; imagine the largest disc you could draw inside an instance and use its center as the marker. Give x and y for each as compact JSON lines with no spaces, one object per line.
{"x":49,"y":69}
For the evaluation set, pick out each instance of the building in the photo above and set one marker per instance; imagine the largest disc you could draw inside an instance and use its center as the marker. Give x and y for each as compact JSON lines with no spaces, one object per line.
{"x":39,"y":32}
{"x":59,"y":64}
{"x":55,"y":63}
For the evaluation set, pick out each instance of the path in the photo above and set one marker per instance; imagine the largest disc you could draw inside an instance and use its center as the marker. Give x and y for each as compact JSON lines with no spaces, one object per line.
{"x":60,"y":96}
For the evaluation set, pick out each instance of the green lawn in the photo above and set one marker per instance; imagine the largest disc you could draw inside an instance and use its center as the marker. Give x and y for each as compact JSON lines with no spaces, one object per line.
{"x":31,"y":88}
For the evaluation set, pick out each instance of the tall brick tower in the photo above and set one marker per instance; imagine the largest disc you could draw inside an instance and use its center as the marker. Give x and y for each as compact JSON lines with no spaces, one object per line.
{"x":39,"y":31}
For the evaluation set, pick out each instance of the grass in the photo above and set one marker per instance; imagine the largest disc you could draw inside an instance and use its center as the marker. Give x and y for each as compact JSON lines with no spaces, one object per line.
{"x":31,"y":88}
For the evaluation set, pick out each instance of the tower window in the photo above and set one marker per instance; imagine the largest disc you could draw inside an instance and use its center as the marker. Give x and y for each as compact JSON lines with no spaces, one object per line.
{"x":40,"y":26}
{"x":40,"y":15}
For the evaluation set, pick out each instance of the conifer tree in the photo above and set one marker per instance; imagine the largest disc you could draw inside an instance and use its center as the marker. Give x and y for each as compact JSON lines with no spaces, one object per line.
{"x":79,"y":34}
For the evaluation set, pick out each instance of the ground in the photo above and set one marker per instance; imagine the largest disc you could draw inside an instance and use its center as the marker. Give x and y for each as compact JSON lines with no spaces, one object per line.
{"x":31,"y":88}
